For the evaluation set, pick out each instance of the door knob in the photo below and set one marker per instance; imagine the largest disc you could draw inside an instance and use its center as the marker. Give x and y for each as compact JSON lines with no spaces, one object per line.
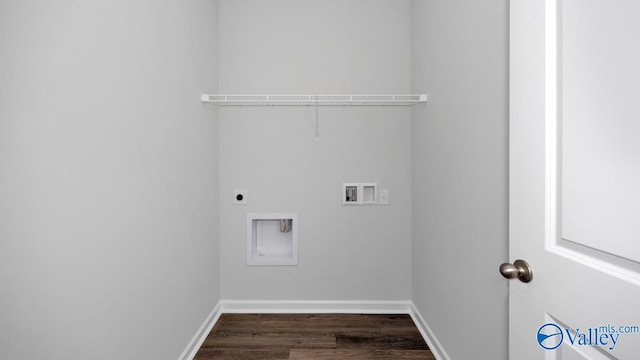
{"x":519,"y":269}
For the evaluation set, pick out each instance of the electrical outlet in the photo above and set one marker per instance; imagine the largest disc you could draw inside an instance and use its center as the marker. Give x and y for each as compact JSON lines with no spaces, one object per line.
{"x":383,"y":197}
{"x":239,"y":197}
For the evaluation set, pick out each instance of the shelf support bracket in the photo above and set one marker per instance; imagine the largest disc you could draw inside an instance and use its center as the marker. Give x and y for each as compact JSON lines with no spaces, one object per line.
{"x":317,"y":133}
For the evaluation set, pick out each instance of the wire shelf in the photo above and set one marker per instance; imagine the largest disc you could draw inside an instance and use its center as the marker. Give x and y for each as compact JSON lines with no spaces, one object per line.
{"x":313,"y":100}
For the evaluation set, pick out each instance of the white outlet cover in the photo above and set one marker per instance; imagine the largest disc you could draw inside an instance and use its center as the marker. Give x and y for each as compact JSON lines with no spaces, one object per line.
{"x":383,"y":197}
{"x":240,"y":197}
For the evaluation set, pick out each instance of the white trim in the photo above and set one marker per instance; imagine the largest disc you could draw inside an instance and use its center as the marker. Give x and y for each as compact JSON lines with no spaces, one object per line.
{"x":551,"y":123}
{"x":315,"y":306}
{"x":432,"y":341}
{"x":196,"y":342}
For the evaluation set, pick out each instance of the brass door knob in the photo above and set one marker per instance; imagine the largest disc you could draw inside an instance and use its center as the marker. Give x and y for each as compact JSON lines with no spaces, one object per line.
{"x":519,"y":269}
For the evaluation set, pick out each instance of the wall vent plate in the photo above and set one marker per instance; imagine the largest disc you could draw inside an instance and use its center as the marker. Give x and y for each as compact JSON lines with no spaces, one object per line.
{"x":239,"y":197}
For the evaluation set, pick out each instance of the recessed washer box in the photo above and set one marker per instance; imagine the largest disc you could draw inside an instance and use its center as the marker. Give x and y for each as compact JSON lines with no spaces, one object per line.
{"x":351,"y":194}
{"x":272,"y":239}
{"x":359,"y":193}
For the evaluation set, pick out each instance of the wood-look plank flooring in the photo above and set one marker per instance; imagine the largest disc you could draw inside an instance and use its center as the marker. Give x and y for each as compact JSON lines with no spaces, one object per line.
{"x":314,"y":337}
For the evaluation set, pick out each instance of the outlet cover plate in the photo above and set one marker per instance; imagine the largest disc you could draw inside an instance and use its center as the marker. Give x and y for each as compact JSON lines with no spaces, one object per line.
{"x":383,"y":197}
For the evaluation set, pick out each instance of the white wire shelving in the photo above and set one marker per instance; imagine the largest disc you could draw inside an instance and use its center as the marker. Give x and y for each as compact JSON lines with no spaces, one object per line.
{"x":314,"y":100}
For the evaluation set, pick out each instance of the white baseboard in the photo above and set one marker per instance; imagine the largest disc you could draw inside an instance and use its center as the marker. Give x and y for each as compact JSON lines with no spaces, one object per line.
{"x":428,"y":335}
{"x":312,"y":306}
{"x":194,"y":345}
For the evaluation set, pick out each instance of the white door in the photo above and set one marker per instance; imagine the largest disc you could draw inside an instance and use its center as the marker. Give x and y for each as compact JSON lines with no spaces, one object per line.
{"x":575,"y":178}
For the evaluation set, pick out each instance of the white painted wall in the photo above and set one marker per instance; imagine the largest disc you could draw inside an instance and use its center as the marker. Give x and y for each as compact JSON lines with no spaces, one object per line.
{"x":460,"y":186}
{"x":328,"y":46}
{"x":108,"y":177}
{"x":109,"y":166}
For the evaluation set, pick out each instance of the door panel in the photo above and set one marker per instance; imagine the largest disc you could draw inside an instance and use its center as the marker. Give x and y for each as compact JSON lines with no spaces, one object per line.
{"x":599,"y":74}
{"x":573,"y":351}
{"x":574,"y":166}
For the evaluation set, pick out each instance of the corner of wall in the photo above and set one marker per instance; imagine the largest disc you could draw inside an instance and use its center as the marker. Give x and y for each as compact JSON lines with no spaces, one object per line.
{"x":200,"y":336}
{"x":459,"y":160}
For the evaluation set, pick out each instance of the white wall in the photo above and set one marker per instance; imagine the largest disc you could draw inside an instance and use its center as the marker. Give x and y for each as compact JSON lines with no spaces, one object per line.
{"x":328,"y":46}
{"x":460,"y":151}
{"x":109,"y":166}
{"x":108,"y":177}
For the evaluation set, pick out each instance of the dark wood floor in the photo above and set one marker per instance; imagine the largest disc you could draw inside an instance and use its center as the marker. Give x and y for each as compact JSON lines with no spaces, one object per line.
{"x":314,"y":337}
